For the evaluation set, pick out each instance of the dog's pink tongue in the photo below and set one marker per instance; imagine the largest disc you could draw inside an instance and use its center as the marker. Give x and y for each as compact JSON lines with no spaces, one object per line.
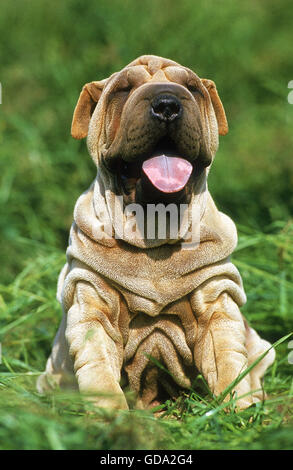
{"x":167,"y":174}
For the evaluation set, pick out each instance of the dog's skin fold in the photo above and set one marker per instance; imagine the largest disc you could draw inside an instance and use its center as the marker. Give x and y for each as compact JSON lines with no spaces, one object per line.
{"x":130,"y":301}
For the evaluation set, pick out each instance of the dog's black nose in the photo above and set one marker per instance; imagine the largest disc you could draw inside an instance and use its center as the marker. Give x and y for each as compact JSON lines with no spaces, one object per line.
{"x":166,"y":108}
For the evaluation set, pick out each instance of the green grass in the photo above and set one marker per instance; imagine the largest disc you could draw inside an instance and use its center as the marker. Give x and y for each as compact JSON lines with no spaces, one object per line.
{"x":31,"y":315}
{"x":51,"y":50}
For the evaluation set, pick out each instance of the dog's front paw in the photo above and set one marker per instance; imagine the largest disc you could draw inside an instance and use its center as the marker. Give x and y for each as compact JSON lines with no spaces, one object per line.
{"x":109,"y":401}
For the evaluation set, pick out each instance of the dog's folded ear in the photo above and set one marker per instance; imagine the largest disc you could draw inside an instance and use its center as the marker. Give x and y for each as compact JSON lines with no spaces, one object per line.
{"x":217,"y":105}
{"x":85,"y":107}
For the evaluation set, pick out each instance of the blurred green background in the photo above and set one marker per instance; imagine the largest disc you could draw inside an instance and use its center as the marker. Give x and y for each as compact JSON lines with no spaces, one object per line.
{"x":49,"y":50}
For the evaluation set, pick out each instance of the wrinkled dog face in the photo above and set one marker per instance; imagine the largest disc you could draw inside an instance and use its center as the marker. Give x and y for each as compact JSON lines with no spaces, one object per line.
{"x":154,"y":126}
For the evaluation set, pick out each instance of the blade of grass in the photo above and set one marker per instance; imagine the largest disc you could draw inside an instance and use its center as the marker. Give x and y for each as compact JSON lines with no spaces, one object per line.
{"x":263,"y":274}
{"x":238,"y":379}
{"x":15,"y":323}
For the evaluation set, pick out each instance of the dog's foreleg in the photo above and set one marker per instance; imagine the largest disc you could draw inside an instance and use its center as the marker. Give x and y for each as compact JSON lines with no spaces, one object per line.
{"x":97,"y":360}
{"x":220,"y":351}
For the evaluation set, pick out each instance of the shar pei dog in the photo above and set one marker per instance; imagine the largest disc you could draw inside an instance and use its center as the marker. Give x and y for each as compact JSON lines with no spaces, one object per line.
{"x":144,"y":309}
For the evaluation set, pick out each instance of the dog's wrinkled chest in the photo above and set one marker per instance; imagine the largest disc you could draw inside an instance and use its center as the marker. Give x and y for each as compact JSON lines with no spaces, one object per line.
{"x":159,"y":349}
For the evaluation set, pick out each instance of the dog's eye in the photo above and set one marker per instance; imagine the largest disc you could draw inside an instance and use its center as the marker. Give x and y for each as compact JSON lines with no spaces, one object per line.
{"x":192,"y":88}
{"x":126,"y":88}
{"x":120,"y":92}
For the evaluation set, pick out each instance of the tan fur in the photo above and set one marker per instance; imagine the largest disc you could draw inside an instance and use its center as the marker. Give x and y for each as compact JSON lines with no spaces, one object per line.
{"x":129,"y":302}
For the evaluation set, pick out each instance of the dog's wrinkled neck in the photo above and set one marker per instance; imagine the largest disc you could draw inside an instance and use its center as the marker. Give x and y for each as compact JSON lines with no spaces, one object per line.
{"x":131,"y":222}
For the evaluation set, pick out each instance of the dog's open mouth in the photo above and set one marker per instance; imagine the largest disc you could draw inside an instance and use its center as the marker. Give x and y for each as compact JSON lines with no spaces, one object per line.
{"x":163,"y":169}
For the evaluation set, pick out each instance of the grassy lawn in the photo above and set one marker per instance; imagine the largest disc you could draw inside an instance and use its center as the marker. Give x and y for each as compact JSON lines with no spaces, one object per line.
{"x":51,"y":50}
